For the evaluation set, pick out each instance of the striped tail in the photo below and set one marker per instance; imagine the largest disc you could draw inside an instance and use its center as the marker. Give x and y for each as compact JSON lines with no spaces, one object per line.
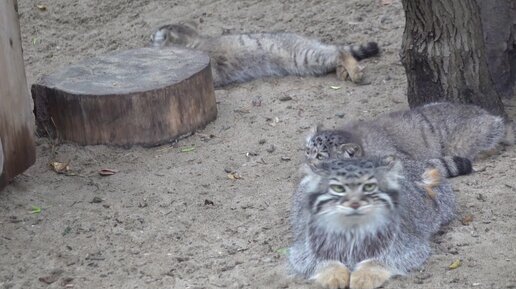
{"x":362,"y":51}
{"x":452,"y":166}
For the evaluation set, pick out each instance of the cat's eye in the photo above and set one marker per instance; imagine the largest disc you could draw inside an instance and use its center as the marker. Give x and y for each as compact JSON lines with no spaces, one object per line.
{"x":369,"y":187}
{"x":322,"y":155}
{"x":338,"y":188}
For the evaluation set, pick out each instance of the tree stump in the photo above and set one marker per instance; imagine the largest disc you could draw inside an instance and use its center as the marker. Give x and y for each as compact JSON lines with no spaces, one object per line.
{"x":17,"y":150}
{"x":144,"y":96}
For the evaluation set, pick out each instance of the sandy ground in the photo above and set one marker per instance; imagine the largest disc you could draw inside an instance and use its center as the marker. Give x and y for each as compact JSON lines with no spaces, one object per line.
{"x":172,"y":219}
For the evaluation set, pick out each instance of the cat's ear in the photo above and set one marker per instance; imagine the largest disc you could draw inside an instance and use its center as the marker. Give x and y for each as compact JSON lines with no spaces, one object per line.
{"x":391,"y":162}
{"x":310,"y":178}
{"x":350,"y":150}
{"x":393,"y":170}
{"x":312,"y":132}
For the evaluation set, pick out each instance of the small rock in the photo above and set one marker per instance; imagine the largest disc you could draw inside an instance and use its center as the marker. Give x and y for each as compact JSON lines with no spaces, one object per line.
{"x":271,"y":149}
{"x":257,"y":101}
{"x":262,"y":141}
{"x":453,"y":251}
{"x":53,"y":277}
{"x":285,"y":159}
{"x":208,"y":202}
{"x":96,"y":200}
{"x":228,"y":170}
{"x":385,"y":19}
{"x":421,"y":277}
{"x":340,"y":114}
{"x":285,"y":98}
{"x":182,"y":259}
{"x":481,"y":197}
{"x":66,"y":281}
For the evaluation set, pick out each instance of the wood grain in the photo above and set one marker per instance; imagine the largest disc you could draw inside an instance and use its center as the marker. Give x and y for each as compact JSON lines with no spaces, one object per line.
{"x":17,"y":149}
{"x":145,"y":96}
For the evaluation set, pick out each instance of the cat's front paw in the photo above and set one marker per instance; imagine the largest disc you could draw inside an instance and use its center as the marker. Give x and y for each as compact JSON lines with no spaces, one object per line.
{"x":333,"y":275}
{"x":369,"y":275}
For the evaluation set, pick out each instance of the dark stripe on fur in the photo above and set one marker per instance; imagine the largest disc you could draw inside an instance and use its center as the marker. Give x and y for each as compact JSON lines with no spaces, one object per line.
{"x":463,"y":165}
{"x":446,"y":167}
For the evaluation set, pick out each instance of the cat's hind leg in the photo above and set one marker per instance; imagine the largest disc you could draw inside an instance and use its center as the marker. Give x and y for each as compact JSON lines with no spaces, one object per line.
{"x":347,"y":66}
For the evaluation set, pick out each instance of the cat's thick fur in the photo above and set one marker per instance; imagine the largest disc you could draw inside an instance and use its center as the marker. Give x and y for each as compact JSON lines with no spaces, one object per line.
{"x":357,"y":222}
{"x":244,"y":57}
{"x":438,"y":130}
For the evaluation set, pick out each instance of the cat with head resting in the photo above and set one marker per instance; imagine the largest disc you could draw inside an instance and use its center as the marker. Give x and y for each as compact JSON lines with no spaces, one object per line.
{"x":447,"y":135}
{"x":243,"y":57}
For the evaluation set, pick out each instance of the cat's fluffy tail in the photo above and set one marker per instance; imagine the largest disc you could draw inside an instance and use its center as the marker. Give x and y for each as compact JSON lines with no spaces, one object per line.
{"x":452,"y":166}
{"x":362,"y":51}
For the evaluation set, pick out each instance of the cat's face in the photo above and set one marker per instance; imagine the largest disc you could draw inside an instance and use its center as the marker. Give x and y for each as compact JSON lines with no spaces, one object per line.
{"x":184,"y":34}
{"x":354,"y":192}
{"x":323,"y":145}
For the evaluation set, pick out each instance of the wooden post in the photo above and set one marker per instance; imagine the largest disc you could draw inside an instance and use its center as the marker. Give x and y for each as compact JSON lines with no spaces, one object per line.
{"x":17,"y":149}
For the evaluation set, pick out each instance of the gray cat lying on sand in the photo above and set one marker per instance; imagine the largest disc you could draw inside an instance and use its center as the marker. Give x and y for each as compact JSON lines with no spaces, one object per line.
{"x":356,"y":222}
{"x":443,"y":133}
{"x":244,"y":57}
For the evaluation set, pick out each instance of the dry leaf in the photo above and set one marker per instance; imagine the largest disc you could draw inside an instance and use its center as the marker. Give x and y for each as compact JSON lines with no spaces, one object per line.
{"x":187,"y":149}
{"x":59,"y":167}
{"x":466,"y":220}
{"x":234,"y":176}
{"x":456,"y":264}
{"x":242,"y":110}
{"x":107,"y":172}
{"x":42,"y":7}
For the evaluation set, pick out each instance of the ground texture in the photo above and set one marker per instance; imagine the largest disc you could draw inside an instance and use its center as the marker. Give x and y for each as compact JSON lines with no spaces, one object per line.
{"x":173,"y":219}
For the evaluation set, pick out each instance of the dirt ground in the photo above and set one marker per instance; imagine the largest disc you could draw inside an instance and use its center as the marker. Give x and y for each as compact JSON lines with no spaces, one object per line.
{"x":172,"y":219}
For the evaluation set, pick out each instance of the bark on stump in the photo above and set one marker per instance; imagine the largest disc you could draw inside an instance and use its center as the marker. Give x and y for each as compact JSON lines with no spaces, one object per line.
{"x":444,"y":54}
{"x":143,"y":96}
{"x":17,"y":149}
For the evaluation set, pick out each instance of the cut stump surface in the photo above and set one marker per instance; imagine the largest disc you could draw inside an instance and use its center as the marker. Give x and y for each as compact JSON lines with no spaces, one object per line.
{"x":144,"y":96}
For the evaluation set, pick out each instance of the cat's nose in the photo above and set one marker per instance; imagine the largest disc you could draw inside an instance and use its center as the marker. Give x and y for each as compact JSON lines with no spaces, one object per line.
{"x":354,"y":205}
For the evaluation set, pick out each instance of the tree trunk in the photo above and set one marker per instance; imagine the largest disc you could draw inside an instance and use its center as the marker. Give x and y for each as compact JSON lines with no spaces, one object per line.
{"x":17,"y":150}
{"x":499,"y":27}
{"x":444,"y":54}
